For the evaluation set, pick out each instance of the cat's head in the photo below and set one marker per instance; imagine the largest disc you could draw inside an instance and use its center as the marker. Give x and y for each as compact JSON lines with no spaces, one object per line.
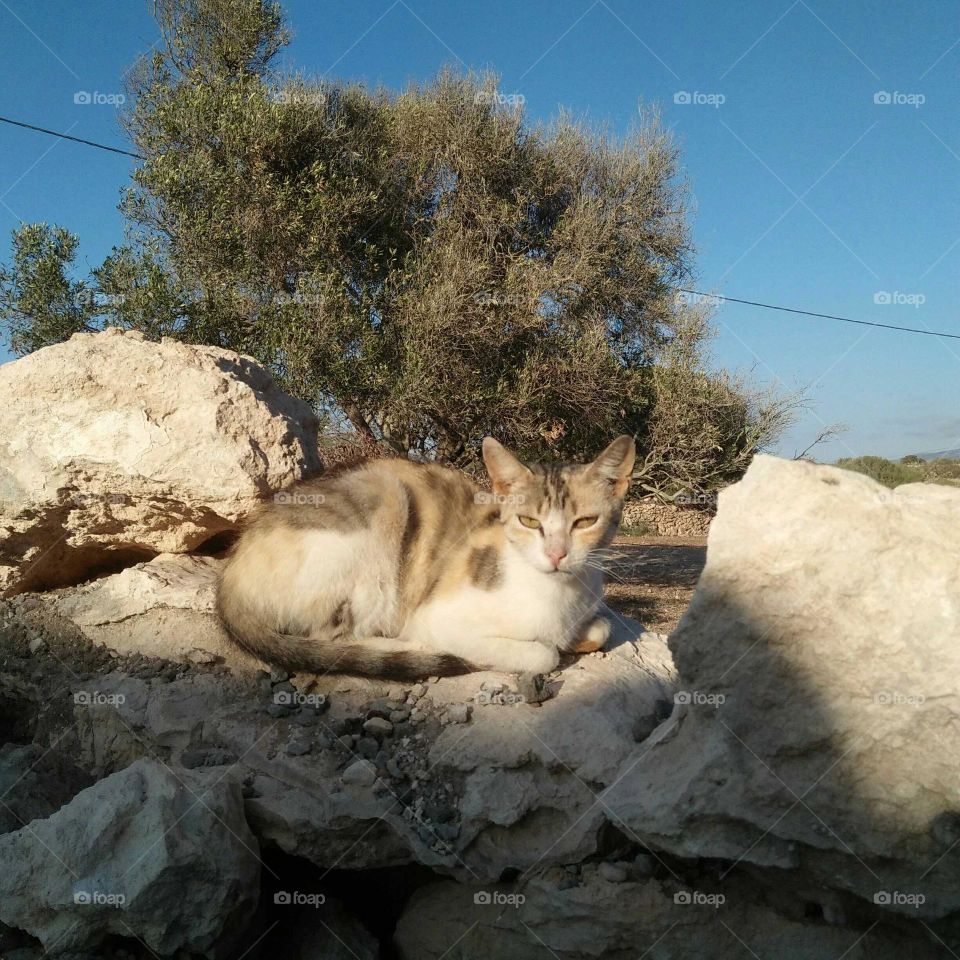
{"x":556,"y":515}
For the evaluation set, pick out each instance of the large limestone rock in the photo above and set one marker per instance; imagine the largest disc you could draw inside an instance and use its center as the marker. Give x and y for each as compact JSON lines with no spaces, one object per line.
{"x":818,"y":722}
{"x":167,"y":858}
{"x":163,"y":608}
{"x":114,"y":448}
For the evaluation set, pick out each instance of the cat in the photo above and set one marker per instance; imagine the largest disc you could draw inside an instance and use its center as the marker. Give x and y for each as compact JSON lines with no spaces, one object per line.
{"x":406,"y":570}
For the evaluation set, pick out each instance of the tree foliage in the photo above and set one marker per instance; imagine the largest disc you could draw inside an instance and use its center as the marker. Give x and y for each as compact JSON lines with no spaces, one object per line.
{"x":424,"y":267}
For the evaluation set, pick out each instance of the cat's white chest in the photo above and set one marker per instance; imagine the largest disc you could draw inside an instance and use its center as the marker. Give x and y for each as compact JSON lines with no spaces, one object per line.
{"x":525,"y":605}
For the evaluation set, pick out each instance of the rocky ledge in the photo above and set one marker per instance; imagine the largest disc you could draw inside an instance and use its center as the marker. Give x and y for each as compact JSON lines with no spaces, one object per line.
{"x":777,"y":779}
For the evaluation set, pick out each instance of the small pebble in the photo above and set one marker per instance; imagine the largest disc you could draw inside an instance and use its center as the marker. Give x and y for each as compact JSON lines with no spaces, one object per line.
{"x":201,"y":656}
{"x":368,"y":747}
{"x":278,"y":710}
{"x":393,"y":768}
{"x":307,"y":717}
{"x":398,"y":716}
{"x":378,"y":727}
{"x":36,"y":644}
{"x":612,"y":872}
{"x":361,"y":772}
{"x":458,"y":712}
{"x":191,"y":759}
{"x":297,"y":748}
{"x":278,"y":676}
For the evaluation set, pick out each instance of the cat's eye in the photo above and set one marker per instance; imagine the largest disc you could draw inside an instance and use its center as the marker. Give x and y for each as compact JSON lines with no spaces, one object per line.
{"x":581,"y":523}
{"x":532,"y":522}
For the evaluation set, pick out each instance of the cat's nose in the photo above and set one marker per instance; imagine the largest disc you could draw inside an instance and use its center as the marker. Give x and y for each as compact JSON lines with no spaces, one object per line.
{"x":555,"y":555}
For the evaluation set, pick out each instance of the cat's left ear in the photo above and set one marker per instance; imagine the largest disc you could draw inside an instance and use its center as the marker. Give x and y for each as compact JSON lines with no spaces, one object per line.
{"x":615,"y":464}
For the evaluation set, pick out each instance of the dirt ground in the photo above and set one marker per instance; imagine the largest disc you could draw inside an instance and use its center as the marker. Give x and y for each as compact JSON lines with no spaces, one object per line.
{"x":652,"y":578}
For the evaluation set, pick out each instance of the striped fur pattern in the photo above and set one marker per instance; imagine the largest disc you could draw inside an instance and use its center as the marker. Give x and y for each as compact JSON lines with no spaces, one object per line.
{"x":405,"y":570}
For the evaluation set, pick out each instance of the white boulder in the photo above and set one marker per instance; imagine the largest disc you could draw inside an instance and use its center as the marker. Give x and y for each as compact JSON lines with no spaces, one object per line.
{"x":114,"y":448}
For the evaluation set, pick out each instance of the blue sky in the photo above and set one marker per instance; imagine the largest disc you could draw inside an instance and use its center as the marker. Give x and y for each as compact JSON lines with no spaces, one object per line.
{"x":807,"y":191}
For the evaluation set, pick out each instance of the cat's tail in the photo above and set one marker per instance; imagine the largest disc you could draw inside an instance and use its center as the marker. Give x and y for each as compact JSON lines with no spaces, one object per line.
{"x":334,"y":649}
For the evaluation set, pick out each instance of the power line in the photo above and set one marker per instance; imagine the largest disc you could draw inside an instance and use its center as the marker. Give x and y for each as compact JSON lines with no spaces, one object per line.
{"x":823,"y":316}
{"x":66,"y":136}
{"x":696,"y":293}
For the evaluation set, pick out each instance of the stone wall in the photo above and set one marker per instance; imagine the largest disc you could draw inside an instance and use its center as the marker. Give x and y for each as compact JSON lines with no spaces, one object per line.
{"x":668,"y":519}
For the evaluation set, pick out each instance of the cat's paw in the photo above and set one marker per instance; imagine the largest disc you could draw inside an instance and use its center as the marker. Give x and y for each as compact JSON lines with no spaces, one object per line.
{"x":539,"y":658}
{"x":592,"y":637}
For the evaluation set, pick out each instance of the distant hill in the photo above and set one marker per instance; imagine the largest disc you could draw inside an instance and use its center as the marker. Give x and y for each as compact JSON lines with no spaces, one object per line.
{"x":933,"y":468}
{"x":942,"y":455}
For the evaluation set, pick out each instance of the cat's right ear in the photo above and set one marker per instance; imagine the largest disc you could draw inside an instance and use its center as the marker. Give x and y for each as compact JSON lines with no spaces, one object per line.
{"x":503,"y":467}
